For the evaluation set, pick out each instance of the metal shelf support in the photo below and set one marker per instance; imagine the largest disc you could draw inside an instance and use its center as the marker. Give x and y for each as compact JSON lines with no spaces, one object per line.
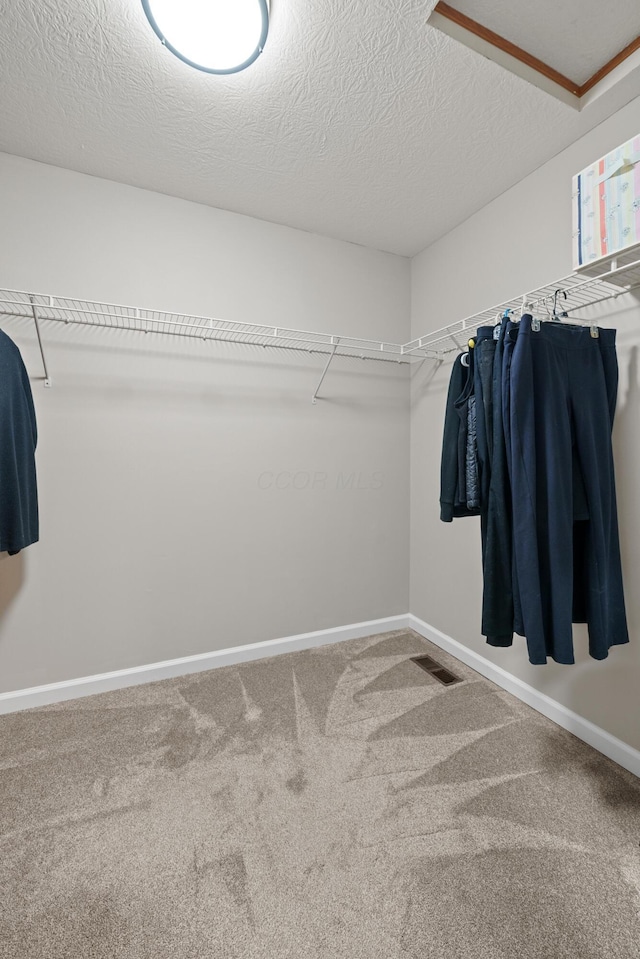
{"x":47,"y":378}
{"x":314,"y":398}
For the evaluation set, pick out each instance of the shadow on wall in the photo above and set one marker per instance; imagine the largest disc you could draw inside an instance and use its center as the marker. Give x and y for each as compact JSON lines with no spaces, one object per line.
{"x":608,"y":691}
{"x":431,"y":376}
{"x":11,"y":580}
{"x":626,"y":453}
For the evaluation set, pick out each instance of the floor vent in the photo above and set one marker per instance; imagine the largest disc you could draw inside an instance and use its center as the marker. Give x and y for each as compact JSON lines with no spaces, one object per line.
{"x":445,"y":676}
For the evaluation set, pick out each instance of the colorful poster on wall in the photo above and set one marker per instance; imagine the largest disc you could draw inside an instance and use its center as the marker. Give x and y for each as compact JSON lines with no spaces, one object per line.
{"x":606,"y":205}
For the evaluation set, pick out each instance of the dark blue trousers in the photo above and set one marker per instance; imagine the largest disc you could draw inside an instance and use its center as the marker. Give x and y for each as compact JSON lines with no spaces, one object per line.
{"x":497,"y":595}
{"x":560,"y":415}
{"x":483,"y":356}
{"x":511,"y":335}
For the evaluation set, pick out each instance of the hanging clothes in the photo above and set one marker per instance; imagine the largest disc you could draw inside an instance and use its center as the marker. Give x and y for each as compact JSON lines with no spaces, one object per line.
{"x":19,"y":525}
{"x":471,"y":472}
{"x":483,"y":356}
{"x":499,"y":595}
{"x":468,"y":473}
{"x":498,"y":608}
{"x":545,"y":397}
{"x":453,"y":495}
{"x":560,"y":403}
{"x":510,"y":337}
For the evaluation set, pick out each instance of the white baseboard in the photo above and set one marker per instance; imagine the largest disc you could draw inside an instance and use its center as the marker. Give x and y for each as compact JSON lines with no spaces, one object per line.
{"x":601,"y":740}
{"x":120,"y":678}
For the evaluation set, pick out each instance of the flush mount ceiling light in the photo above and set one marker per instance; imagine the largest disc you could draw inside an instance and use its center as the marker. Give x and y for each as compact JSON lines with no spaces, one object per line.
{"x":217,"y":36}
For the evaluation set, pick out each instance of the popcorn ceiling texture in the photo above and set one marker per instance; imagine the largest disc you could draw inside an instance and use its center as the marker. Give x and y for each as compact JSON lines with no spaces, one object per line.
{"x":358,"y":122}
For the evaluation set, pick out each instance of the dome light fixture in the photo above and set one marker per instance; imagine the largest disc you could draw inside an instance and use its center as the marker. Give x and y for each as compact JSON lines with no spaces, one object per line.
{"x":216,"y":36}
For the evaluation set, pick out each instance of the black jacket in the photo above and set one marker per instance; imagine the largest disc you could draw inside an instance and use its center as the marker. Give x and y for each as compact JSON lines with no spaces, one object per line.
{"x":454,"y":447}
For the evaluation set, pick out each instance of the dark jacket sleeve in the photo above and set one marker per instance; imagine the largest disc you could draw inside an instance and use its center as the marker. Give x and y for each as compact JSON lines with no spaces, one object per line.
{"x":471,"y":456}
{"x":449,"y":461}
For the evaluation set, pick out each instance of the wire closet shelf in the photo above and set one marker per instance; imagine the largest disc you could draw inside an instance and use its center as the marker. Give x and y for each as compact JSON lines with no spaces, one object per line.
{"x":40,"y":307}
{"x":566,"y":296}
{"x":111,"y":316}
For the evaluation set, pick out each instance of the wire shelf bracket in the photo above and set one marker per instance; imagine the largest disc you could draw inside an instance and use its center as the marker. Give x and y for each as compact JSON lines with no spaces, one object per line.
{"x":34,"y":310}
{"x":314,"y":398}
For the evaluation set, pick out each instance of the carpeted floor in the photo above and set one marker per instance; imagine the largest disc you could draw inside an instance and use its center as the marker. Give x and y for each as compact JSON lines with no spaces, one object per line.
{"x":338,"y":803}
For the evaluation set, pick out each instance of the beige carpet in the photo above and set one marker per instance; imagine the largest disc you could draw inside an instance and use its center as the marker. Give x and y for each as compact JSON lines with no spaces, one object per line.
{"x":336,"y":803}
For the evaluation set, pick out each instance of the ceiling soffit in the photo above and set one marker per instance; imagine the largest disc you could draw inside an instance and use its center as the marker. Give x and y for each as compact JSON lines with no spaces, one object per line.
{"x":534,"y":43}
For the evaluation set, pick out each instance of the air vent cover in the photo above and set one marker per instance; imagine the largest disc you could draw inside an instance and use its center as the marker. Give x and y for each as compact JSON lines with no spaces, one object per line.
{"x":445,"y":676}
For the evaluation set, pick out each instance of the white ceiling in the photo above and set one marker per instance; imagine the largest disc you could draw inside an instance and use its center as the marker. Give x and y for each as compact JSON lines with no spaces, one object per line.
{"x":359,"y":121}
{"x":576,"y":38}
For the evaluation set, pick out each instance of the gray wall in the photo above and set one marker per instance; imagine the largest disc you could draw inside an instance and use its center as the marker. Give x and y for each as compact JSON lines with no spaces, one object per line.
{"x":164,"y":528}
{"x":192,"y":498}
{"x":518,"y":242}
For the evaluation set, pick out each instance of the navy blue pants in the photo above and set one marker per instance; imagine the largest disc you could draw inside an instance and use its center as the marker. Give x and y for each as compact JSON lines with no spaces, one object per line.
{"x":483,"y":355}
{"x":561,"y":405}
{"x":511,"y":335}
{"x":497,"y":595}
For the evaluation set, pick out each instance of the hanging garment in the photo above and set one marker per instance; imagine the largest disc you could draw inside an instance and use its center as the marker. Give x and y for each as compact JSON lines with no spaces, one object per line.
{"x":510,"y":337}
{"x":468,"y":474}
{"x":497,"y":584}
{"x":18,"y":438}
{"x":449,"y":458}
{"x":483,"y":356}
{"x":498,"y":574}
{"x":472,"y":479}
{"x":501,"y":611}
{"x":453,"y":502}
{"x":497,"y":611}
{"x":560,"y":414}
{"x":581,"y":509}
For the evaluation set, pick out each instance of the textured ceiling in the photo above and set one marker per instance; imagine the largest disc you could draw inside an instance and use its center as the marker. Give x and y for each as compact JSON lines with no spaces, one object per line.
{"x":576,"y":38}
{"x":359,"y":121}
